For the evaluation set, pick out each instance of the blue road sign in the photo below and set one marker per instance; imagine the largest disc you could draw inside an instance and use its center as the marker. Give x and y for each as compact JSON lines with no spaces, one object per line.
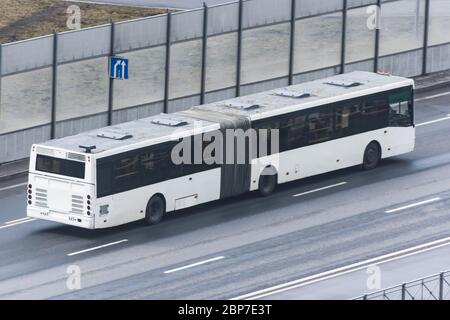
{"x":118,"y":68}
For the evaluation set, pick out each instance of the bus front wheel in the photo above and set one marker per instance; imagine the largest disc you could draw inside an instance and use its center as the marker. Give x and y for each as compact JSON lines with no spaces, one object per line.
{"x":156,"y":208}
{"x":372,"y":156}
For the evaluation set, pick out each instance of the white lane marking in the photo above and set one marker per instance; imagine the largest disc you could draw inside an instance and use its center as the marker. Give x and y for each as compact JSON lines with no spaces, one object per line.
{"x":13,"y":186}
{"x":433,"y":96}
{"x":194,"y":264}
{"x":16,"y":223}
{"x":433,"y":121}
{"x":320,"y":189}
{"x":413,"y":205}
{"x":345,"y":270}
{"x":96,"y":248}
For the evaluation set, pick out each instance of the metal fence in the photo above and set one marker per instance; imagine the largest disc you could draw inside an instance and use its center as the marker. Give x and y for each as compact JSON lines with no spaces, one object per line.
{"x":58,"y":85}
{"x":435,"y":287}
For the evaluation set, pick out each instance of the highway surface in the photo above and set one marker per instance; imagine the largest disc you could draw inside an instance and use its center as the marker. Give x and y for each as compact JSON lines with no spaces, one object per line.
{"x":230,"y":248}
{"x":390,"y":271}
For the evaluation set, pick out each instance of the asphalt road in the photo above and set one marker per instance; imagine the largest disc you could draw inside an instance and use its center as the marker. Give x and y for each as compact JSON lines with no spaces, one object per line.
{"x":388,"y":274}
{"x":233,"y":247}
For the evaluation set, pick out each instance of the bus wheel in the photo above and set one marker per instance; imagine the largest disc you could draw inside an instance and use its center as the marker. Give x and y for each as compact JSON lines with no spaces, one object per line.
{"x":156,"y":208}
{"x":267,"y":183}
{"x":372,"y":156}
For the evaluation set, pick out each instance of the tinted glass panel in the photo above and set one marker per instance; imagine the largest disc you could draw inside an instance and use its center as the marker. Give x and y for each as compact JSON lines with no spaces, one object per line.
{"x":268,"y":125}
{"x":320,"y":126}
{"x":155,"y":164}
{"x":125,"y":173}
{"x":142,"y":167}
{"x":400,"y":109}
{"x":293,"y":132}
{"x":347,"y":120}
{"x":104,"y":179}
{"x":62,"y":167}
{"x":374,"y":113}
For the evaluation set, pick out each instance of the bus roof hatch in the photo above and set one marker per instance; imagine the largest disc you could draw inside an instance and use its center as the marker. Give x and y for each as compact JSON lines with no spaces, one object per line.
{"x":114,"y":135}
{"x":344,"y":83}
{"x":290,"y":93}
{"x":242,"y":105}
{"x":170,"y":122}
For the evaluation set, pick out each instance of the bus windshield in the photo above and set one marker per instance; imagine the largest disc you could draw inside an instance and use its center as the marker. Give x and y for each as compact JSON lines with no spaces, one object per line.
{"x":59,"y":166}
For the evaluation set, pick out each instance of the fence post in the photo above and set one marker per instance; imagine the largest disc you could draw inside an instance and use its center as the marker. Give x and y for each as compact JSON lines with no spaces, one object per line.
{"x":111,"y":80}
{"x":292,"y":43}
{"x":204,"y":52}
{"x":167,"y":73}
{"x":54,"y":84}
{"x":441,"y":286}
{"x":239,"y":49}
{"x":426,"y":37}
{"x":344,"y":35}
{"x":404,"y":291}
{"x":377,"y":37}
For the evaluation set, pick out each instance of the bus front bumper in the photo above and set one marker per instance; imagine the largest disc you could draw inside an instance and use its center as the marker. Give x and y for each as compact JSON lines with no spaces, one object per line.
{"x":65,"y":218}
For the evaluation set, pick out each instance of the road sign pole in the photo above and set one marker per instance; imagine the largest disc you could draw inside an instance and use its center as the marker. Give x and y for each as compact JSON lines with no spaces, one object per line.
{"x":344,"y":35}
{"x":54,"y":85}
{"x":239,"y":48}
{"x":111,"y":80}
{"x":377,"y":37}
{"x":167,"y":73}
{"x":292,"y":43}
{"x":204,"y":53}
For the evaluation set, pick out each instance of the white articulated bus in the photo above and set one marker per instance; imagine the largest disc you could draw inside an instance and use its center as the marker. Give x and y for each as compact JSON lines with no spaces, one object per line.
{"x":126,"y":172}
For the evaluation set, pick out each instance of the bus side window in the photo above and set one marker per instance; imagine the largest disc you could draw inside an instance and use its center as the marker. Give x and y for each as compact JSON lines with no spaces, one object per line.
{"x":212,"y":158}
{"x":374,"y":114}
{"x":400,"y":109}
{"x":293,"y":132}
{"x":320,"y":126}
{"x":104,"y":177}
{"x":154,"y":165}
{"x":347,"y":120}
{"x":269,"y":125}
{"x":126,"y":173}
{"x":194,"y":165}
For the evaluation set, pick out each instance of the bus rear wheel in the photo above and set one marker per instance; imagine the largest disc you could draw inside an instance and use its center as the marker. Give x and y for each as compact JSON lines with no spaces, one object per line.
{"x":372,"y":156}
{"x":267,"y":184}
{"x":156,"y":208}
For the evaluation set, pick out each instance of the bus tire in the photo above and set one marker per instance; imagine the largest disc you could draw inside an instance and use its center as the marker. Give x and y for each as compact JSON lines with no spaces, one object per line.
{"x":267,"y":183}
{"x":156,"y":208}
{"x":372,"y":156}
